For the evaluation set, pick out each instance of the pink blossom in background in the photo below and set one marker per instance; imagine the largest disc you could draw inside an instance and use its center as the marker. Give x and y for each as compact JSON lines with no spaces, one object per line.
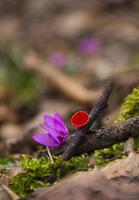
{"x":57,"y":59}
{"x":88,"y":46}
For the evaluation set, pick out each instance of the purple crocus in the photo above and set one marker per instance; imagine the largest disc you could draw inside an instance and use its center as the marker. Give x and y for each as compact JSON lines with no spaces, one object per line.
{"x":88,"y":46}
{"x":56,"y":132}
{"x":57,"y":59}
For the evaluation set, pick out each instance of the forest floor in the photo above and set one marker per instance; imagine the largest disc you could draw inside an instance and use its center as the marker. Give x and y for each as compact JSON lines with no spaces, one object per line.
{"x":56,"y":56}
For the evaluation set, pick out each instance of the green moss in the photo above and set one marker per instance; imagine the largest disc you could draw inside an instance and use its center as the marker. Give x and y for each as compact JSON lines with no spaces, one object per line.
{"x":41,"y":172}
{"x":129,"y":108}
{"x":25,"y":183}
{"x":105,"y":155}
{"x":5,"y":161}
{"x":24,"y":86}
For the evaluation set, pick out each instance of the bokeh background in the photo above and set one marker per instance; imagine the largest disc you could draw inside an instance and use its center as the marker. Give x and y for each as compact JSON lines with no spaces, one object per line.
{"x":56,"y":56}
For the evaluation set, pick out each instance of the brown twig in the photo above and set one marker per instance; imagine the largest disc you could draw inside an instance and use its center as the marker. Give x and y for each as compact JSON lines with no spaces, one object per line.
{"x":66,"y":85}
{"x":106,"y":137}
{"x":80,"y":133}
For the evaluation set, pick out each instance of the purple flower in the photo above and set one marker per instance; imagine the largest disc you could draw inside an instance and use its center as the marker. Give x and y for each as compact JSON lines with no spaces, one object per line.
{"x":56,"y":132}
{"x":88,"y":46}
{"x":57,"y":59}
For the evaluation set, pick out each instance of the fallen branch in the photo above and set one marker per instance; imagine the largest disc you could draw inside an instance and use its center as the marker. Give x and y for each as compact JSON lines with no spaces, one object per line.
{"x":81,"y":133}
{"x":106,"y":137}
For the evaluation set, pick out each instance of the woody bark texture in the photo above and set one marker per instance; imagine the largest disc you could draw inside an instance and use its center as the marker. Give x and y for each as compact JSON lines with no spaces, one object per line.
{"x":81,"y":132}
{"x":106,"y":137}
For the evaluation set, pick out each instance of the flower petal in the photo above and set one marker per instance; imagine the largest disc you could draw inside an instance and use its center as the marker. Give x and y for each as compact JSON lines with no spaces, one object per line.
{"x":58,"y":132}
{"x":46,"y":140}
{"x":63,"y":139}
{"x":58,"y":117}
{"x":55,"y":122}
{"x":54,"y":133}
{"x":49,"y":120}
{"x":43,"y":126}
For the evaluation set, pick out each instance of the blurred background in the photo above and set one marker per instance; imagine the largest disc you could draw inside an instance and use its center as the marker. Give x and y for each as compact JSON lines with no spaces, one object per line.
{"x":56,"y":56}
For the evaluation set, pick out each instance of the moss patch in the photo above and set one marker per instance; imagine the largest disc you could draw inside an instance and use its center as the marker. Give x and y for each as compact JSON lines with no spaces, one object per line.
{"x":41,"y":172}
{"x":130,"y":107}
{"x":104,"y":156}
{"x":5,"y":161}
